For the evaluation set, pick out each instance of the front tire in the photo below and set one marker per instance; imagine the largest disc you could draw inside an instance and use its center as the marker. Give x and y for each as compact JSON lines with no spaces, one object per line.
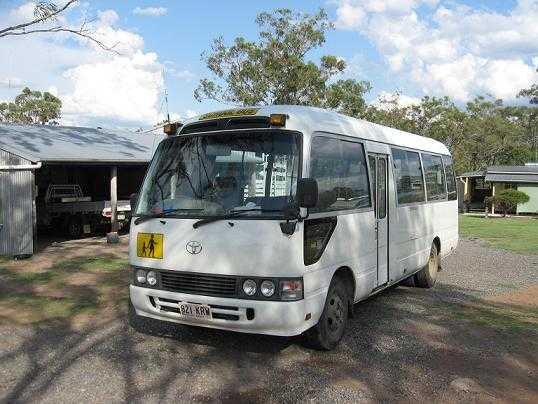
{"x":328,"y":332}
{"x":427,"y":276}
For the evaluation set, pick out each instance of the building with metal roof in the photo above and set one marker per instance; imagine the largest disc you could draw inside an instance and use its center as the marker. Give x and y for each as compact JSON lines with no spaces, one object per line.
{"x":104,"y":164}
{"x":481,"y":184}
{"x":57,"y":144}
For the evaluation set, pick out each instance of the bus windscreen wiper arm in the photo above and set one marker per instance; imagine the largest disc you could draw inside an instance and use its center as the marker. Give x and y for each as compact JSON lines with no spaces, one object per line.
{"x":229,"y":215}
{"x":141,"y":219}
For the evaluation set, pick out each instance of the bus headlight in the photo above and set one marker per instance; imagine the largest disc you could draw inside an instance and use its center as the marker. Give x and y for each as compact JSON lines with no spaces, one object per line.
{"x":267,"y":288}
{"x":249,"y":287}
{"x":291,"y":289}
{"x":141,"y":276}
{"x":151,"y":278}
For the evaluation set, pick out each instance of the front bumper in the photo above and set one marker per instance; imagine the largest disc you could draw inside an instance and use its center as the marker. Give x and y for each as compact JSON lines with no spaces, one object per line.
{"x":270,"y":317}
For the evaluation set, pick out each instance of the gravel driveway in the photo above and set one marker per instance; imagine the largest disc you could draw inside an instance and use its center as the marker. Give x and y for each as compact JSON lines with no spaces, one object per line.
{"x":461,"y":341}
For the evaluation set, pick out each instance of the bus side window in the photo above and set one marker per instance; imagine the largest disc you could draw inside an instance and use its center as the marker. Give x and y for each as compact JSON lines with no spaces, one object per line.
{"x":408,"y":176}
{"x":340,"y":168}
{"x":373,"y":178}
{"x":435,"y":177}
{"x":450,"y":179}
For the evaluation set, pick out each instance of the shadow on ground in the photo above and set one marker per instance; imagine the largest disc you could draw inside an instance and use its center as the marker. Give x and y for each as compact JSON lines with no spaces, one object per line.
{"x":405,"y":344}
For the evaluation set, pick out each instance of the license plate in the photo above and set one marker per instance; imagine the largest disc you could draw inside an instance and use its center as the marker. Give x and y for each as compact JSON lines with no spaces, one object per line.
{"x":194,"y":310}
{"x":121,"y":217}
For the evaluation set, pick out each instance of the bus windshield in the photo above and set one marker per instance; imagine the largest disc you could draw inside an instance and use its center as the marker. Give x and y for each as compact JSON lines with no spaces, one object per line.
{"x":215,"y":174}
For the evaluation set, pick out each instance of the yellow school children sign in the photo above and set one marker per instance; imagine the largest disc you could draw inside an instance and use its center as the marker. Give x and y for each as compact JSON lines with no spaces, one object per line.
{"x":150,"y":245}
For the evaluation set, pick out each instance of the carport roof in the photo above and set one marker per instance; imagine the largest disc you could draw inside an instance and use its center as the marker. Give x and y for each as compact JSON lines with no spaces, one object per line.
{"x":528,"y":174}
{"x":472,"y":174}
{"x":70,"y":144}
{"x":500,"y":177}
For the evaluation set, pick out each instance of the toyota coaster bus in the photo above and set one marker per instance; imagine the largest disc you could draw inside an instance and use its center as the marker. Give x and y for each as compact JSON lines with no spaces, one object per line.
{"x":276,"y":220}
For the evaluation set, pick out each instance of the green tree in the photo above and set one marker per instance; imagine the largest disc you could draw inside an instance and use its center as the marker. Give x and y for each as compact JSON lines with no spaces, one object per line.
{"x":529,"y":117}
{"x":389,"y":112}
{"x":31,"y":107}
{"x":484,"y":133}
{"x":493,"y":138}
{"x":275,"y":69}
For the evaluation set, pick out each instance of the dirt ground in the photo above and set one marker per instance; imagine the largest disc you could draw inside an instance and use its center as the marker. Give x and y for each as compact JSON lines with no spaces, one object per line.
{"x":64,"y":338}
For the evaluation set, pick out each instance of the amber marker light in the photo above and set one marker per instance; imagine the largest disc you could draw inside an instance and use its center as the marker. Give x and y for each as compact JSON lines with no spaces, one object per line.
{"x":277,"y":119}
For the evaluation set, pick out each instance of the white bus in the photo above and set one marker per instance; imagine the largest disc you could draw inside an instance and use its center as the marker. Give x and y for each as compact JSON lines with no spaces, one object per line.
{"x":276,"y":220}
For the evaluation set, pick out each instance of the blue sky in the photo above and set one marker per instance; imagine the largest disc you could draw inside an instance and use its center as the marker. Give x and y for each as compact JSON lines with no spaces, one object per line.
{"x":414,"y":47}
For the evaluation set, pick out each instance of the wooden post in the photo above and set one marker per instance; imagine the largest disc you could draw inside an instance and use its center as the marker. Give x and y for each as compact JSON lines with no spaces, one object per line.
{"x":112,"y":237}
{"x":493,"y":194}
{"x":466,"y":195}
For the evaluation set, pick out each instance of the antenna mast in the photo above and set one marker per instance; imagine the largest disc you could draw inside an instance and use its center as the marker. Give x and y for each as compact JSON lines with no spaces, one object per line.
{"x":166,"y":96}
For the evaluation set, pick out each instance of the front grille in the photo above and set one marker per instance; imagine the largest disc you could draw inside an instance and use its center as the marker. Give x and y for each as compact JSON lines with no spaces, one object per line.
{"x":199,"y":284}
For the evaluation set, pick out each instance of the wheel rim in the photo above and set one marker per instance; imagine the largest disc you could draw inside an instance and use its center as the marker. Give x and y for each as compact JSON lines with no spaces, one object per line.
{"x":433,"y":264}
{"x":335,"y":314}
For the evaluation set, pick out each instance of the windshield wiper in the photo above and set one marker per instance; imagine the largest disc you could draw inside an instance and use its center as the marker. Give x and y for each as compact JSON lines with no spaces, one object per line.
{"x":164,"y":213}
{"x":230,"y":215}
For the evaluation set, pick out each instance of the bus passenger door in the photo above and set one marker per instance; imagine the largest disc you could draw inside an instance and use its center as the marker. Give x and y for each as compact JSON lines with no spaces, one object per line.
{"x":378,"y":170}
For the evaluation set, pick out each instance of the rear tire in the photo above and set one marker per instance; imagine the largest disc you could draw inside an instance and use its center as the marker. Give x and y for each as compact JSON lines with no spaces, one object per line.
{"x":427,"y":276}
{"x":328,"y":332}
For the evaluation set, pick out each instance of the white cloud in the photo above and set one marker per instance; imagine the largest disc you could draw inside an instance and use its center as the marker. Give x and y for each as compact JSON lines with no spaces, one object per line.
{"x":150,"y":11}
{"x":95,"y":86}
{"x":503,"y":76}
{"x":127,"y":88}
{"x":24,"y":12}
{"x":450,"y":49}
{"x":349,"y":17}
{"x":124,"y":42}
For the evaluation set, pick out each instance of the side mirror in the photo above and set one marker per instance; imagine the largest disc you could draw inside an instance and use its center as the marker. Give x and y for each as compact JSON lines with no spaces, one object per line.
{"x":133,"y":199}
{"x":307,"y":192}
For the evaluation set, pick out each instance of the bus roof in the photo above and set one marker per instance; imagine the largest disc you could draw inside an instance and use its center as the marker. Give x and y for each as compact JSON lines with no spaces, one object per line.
{"x":311,"y":119}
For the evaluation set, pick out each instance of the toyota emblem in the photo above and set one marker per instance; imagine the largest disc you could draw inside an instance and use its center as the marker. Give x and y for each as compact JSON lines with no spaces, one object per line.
{"x":193,"y":247}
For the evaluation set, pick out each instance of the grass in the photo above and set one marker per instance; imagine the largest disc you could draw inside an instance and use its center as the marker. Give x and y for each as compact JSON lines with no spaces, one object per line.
{"x":81,"y":285}
{"x":498,"y":316}
{"x":515,"y":234}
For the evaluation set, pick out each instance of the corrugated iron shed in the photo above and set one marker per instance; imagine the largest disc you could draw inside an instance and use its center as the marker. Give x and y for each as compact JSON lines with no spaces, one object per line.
{"x":16,"y":207}
{"x":24,"y":148}
{"x":57,"y":144}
